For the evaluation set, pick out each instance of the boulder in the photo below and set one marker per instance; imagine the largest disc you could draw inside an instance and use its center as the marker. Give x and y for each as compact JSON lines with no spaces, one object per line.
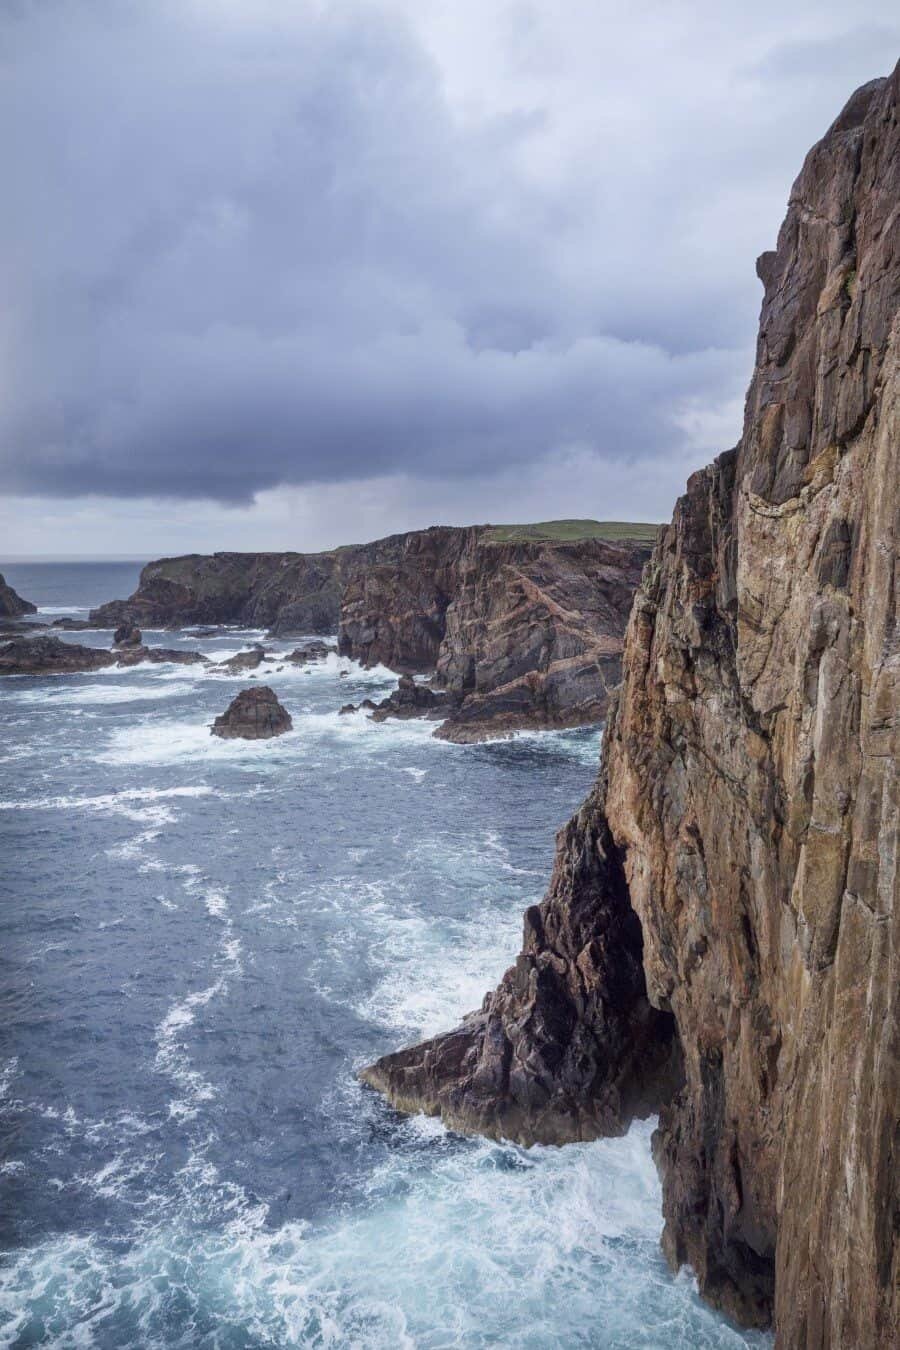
{"x":254,"y":715}
{"x":127,"y":635}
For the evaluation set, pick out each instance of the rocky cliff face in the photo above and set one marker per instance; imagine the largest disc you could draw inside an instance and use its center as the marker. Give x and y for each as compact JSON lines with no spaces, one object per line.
{"x":534,"y":633}
{"x":12,"y":606}
{"x":295,"y":590}
{"x":746,"y":821}
{"x":519,"y":633}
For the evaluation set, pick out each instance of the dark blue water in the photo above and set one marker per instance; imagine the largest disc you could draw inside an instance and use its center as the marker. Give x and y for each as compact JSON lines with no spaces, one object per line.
{"x":201,"y":941}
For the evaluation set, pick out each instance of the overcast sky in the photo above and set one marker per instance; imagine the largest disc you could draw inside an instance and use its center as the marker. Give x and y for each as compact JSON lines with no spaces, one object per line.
{"x":288,"y":273}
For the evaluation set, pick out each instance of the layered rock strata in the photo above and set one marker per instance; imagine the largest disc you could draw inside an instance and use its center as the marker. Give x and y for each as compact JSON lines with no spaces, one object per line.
{"x":747,"y":820}
{"x":519,"y":632}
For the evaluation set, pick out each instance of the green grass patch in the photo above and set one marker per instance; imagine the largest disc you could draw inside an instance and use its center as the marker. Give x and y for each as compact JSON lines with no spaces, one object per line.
{"x":612,"y":530}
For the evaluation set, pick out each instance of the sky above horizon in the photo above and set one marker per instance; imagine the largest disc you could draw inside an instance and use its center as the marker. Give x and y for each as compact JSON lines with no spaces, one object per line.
{"x":290,"y":274}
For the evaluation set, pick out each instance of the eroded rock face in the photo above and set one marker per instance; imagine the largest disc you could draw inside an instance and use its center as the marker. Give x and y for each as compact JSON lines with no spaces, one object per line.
{"x":749,"y":806}
{"x":534,"y":635}
{"x":254,"y":715}
{"x":12,"y":606}
{"x":519,"y":633}
{"x":568,"y":1047}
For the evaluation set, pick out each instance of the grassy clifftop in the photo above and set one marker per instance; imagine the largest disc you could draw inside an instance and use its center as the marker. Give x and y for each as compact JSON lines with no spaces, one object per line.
{"x":612,"y":530}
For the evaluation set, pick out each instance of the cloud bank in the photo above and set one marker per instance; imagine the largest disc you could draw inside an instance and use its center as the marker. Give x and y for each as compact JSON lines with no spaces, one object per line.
{"x":252,"y":246}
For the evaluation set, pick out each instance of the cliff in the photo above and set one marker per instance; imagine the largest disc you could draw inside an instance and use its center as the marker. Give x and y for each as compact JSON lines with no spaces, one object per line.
{"x":720,"y":937}
{"x":521,"y":626}
{"x":12,"y":606}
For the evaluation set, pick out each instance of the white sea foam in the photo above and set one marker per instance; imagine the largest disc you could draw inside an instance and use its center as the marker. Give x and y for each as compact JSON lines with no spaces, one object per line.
{"x":172,"y":1056}
{"x":138,"y":804}
{"x":458,"y":1245}
{"x":104,"y":693}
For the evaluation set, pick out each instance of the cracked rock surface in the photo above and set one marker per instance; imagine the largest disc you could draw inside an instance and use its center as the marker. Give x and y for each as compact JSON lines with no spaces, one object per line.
{"x":721,"y":932}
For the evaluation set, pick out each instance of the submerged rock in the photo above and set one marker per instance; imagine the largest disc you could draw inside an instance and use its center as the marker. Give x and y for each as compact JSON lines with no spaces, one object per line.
{"x":248,"y":660}
{"x":69,"y":625}
{"x":254,"y":715}
{"x":366,"y":706}
{"x":310,"y":651}
{"x":135,"y":656}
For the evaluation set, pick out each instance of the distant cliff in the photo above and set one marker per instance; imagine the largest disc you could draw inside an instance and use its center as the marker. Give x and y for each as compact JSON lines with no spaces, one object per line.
{"x":721,"y":937}
{"x":523,"y":626}
{"x":12,"y":606}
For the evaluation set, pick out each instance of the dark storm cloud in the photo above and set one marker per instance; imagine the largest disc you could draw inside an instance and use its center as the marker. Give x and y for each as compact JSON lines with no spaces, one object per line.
{"x":250,"y":245}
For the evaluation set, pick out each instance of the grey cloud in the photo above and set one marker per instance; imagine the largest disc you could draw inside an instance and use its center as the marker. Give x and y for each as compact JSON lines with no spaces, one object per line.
{"x":253,"y":246}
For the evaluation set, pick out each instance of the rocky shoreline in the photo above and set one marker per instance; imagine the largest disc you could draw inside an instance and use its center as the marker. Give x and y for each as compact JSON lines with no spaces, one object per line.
{"x":515,"y":633}
{"x":719,"y":941}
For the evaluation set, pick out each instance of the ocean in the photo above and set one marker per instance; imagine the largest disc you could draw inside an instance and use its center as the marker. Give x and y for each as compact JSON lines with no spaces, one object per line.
{"x":202,"y":941}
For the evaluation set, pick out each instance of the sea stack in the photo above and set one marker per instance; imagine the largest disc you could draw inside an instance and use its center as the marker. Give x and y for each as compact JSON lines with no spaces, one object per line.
{"x":254,"y":715}
{"x":12,"y":606}
{"x":730,"y":887}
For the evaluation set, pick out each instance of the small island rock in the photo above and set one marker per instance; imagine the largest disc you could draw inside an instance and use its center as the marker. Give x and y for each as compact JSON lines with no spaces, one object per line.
{"x":254,"y":715}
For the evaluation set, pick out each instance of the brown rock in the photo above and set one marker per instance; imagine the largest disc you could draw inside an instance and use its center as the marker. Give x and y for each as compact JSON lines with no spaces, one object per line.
{"x":127,"y":635}
{"x":254,"y":715}
{"x":523,"y":627}
{"x":748,"y":816}
{"x":409,"y":700}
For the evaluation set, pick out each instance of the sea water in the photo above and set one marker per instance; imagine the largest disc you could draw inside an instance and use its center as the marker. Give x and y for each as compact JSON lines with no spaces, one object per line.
{"x":202,"y":941}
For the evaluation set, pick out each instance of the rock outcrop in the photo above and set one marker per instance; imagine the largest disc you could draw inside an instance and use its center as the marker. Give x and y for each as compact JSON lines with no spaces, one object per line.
{"x":534,"y":634}
{"x":51,"y":656}
{"x":254,"y":715}
{"x":158,"y":656}
{"x":310,"y":653}
{"x":127,"y":635}
{"x":409,"y":700}
{"x":521,"y":627}
{"x":242,"y":661}
{"x":12,"y":606}
{"x":746,"y":821}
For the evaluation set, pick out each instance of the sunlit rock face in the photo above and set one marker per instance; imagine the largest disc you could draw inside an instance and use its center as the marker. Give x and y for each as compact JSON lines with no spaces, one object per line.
{"x":746,"y":819}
